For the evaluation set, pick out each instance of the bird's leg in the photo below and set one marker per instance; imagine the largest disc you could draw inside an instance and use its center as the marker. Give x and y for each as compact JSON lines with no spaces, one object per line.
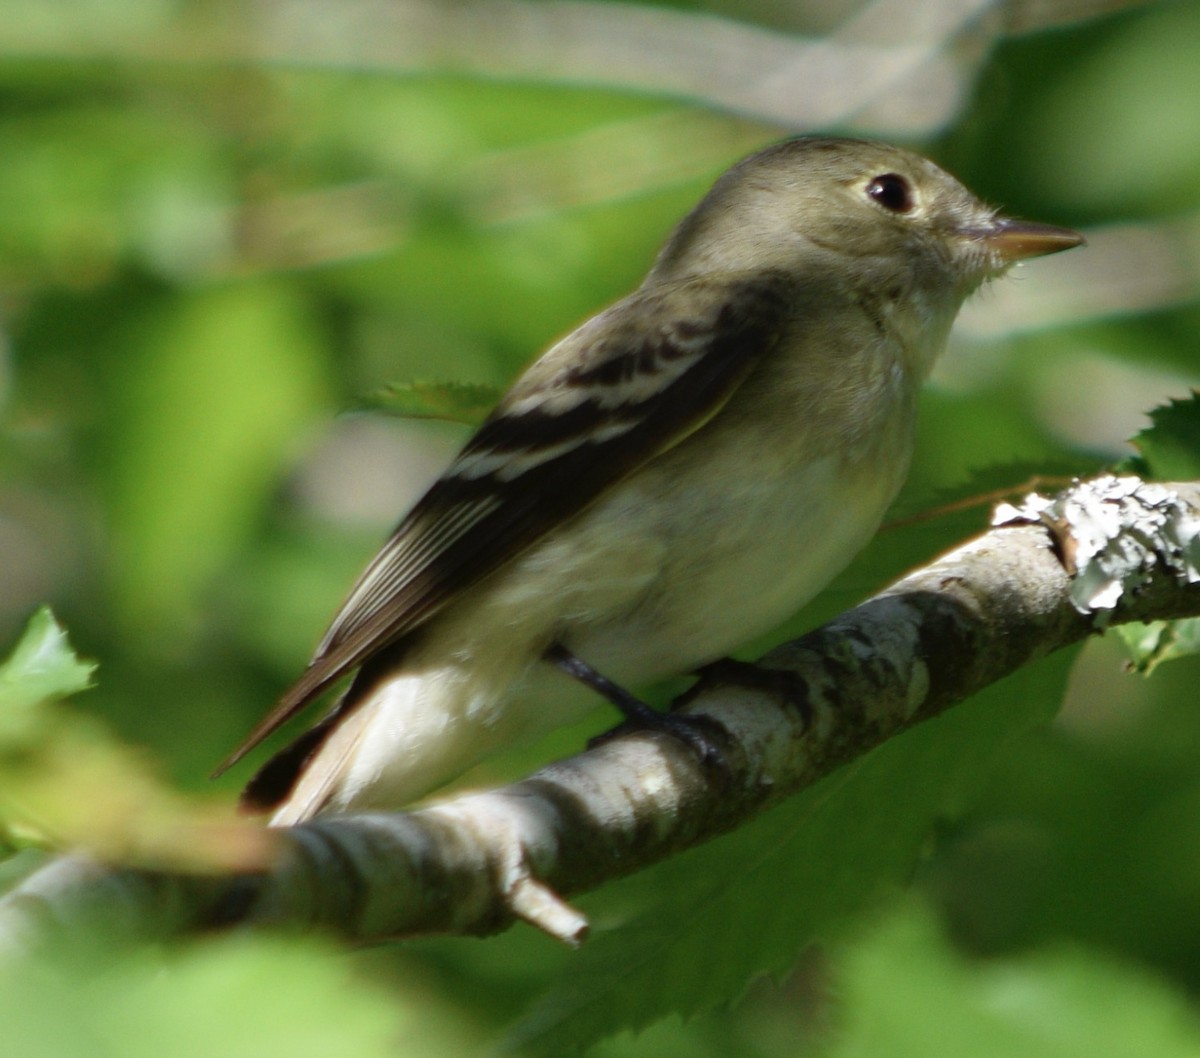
{"x":638,"y":715}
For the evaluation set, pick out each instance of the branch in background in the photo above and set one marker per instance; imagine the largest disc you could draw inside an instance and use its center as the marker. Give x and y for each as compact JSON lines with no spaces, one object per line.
{"x":1102,"y":552}
{"x":886,"y":69}
{"x":888,"y":65}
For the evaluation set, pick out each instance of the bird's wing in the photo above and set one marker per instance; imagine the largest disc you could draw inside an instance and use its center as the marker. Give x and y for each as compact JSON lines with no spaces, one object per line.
{"x":627,"y":385}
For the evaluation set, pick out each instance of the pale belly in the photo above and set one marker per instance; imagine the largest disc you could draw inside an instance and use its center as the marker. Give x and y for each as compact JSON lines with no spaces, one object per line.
{"x":735,"y":567}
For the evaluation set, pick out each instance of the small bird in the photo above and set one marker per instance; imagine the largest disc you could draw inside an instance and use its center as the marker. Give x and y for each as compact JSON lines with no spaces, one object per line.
{"x":676,"y":476}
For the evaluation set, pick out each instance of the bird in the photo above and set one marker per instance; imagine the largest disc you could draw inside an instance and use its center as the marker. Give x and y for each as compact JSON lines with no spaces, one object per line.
{"x":679,"y":474}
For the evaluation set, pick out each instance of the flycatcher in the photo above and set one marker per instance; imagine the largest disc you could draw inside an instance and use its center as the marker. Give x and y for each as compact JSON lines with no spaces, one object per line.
{"x":676,"y":476}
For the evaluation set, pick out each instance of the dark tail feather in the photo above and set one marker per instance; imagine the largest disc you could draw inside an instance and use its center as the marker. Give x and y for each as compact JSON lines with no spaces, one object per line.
{"x":271,"y":784}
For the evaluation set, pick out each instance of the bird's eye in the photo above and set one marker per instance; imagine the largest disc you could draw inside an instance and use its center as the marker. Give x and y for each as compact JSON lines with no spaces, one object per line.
{"x":892,"y":192}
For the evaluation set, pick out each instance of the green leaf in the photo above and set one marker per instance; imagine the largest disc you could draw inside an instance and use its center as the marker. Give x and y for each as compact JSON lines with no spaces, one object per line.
{"x":42,"y":667}
{"x":1168,"y":450}
{"x":800,"y":873}
{"x":235,"y":997}
{"x":904,"y":992}
{"x":1149,"y":645}
{"x":461,"y":402}
{"x":1170,"y":446}
{"x":209,"y":395}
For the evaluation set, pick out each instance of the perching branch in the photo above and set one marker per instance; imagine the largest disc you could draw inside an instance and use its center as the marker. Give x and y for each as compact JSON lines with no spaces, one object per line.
{"x":1102,"y":552}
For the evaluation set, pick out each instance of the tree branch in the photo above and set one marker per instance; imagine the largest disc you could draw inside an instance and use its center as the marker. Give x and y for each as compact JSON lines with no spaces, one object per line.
{"x":1102,"y":552}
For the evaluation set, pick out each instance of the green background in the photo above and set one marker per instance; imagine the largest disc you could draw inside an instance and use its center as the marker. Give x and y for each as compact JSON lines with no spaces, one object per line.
{"x":215,"y":243}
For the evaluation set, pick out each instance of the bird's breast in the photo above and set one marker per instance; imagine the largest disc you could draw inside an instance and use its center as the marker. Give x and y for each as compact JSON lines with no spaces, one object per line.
{"x":748,"y":525}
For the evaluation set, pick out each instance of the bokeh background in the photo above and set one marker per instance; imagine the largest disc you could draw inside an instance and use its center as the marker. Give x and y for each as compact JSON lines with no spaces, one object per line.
{"x":225,"y":224}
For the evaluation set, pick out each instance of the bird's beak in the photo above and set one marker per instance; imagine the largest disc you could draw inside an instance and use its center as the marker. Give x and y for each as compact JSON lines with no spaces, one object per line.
{"x":1015,"y":240}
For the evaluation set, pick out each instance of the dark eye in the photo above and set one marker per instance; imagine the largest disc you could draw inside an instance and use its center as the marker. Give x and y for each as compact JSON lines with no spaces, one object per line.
{"x":892,"y":192}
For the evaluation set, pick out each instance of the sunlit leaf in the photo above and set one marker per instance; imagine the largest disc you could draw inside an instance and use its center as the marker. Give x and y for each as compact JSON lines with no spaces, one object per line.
{"x":214,"y":385}
{"x":1149,"y":645}
{"x":42,"y":667}
{"x":72,"y":783}
{"x":460,"y":402}
{"x":236,"y":997}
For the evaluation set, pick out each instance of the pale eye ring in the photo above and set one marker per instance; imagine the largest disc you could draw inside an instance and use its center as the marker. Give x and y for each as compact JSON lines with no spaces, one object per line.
{"x":892,"y":191}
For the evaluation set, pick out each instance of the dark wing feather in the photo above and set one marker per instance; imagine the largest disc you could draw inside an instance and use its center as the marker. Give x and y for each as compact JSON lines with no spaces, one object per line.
{"x":624,"y":387}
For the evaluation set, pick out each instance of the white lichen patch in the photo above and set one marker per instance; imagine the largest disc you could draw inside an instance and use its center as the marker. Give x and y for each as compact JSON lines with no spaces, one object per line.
{"x":1114,"y":533}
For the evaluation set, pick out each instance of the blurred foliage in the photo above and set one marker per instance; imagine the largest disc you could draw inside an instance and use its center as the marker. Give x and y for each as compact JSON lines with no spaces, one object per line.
{"x":235,"y":997}
{"x":207,"y":256}
{"x":458,"y":402}
{"x":1058,"y":1001}
{"x":66,"y":782}
{"x":1169,"y":450}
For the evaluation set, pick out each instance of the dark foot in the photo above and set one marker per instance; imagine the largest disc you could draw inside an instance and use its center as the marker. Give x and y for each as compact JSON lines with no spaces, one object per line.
{"x":638,"y":715}
{"x":731,"y":672}
{"x":690,"y":730}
